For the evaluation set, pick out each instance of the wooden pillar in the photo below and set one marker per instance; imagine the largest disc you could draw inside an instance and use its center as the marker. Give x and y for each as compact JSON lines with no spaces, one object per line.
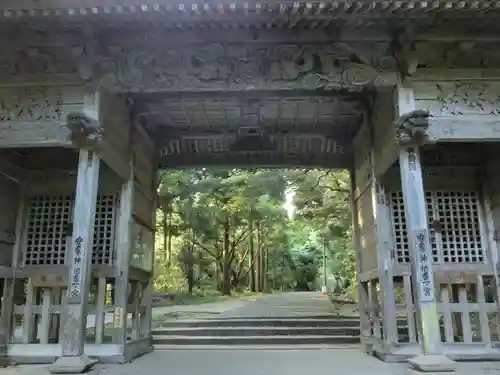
{"x":123,"y":246}
{"x":420,"y":249}
{"x":361,"y":288}
{"x":73,"y":359}
{"x":146,"y":323}
{"x":9,"y":284}
{"x":383,"y":231}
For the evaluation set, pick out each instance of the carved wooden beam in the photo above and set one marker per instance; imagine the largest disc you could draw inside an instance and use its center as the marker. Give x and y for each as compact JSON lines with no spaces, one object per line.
{"x":256,"y":159}
{"x":156,"y":66}
{"x":296,"y":144}
{"x":464,"y":129}
{"x":237,"y":67}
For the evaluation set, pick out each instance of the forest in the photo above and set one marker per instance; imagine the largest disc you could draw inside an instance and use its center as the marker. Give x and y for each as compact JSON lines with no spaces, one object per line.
{"x":236,"y":230}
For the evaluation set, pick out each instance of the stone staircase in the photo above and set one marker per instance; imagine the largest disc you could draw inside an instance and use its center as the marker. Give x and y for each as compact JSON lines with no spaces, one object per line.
{"x":310,"y":330}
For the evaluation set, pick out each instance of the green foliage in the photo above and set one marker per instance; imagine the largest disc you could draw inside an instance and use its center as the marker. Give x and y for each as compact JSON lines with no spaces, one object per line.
{"x":229,"y":230}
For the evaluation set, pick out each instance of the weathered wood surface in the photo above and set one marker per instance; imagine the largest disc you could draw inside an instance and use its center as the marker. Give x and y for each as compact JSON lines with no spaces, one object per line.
{"x":459,"y":178}
{"x":36,"y":116}
{"x":418,"y":235}
{"x":384,"y":132}
{"x":384,"y":246}
{"x":114,"y":117}
{"x":73,"y":335}
{"x":124,"y":247}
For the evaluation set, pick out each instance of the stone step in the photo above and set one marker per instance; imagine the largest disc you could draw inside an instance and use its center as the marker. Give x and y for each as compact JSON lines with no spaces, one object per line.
{"x":254,"y":340}
{"x":280,"y":347}
{"x":257,"y":331}
{"x":294,"y":316}
{"x":269,"y":322}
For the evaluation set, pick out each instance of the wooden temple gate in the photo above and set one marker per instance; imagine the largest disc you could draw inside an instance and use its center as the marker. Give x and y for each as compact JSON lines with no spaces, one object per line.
{"x":96,"y":95}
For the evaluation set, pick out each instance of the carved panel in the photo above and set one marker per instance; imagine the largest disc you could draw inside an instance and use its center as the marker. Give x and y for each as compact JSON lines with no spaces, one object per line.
{"x":242,"y":66}
{"x":36,"y":115}
{"x":459,"y":98}
{"x":290,"y":144}
{"x":31,"y":104}
{"x":158,"y":66}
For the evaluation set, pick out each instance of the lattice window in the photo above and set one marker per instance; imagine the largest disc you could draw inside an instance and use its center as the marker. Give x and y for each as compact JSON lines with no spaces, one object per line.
{"x":461,"y":235}
{"x":45,"y":230}
{"x":45,"y":239}
{"x":104,"y":230}
{"x":458,"y":212}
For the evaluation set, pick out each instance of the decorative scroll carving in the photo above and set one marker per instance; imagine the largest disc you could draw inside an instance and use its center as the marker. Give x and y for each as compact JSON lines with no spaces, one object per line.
{"x":241,"y":67}
{"x":468,"y":99}
{"x":84,"y":131}
{"x":223,"y":144}
{"x":411,"y":128}
{"x":30,"y":104}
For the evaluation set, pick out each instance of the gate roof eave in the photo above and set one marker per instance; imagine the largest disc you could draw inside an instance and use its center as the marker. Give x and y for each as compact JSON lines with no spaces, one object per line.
{"x":182,"y":14}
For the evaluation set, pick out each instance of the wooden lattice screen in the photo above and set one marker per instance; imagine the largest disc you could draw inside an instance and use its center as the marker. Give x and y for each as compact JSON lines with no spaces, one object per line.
{"x":460,"y":238}
{"x":45,"y":230}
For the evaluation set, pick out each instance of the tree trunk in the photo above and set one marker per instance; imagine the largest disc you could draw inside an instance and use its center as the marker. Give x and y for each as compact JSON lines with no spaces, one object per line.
{"x":226,"y":285}
{"x":165,"y":235}
{"x":252,"y":256}
{"x":275,"y":273}
{"x":265,"y":267}
{"x":169,"y":236}
{"x":258,"y":261}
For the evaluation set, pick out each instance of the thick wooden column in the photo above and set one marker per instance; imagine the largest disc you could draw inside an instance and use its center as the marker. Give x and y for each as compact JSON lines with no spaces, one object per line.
{"x":9,"y":283}
{"x":362,"y":287}
{"x":383,"y":231}
{"x":73,"y":359}
{"x":124,"y":243}
{"x":420,"y":250}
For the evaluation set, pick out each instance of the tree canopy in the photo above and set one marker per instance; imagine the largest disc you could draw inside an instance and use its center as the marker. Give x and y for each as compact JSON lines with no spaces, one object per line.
{"x":258,"y":230}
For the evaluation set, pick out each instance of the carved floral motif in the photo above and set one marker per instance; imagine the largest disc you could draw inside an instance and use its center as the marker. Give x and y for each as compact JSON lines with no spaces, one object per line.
{"x":30,"y":104}
{"x":468,"y":99}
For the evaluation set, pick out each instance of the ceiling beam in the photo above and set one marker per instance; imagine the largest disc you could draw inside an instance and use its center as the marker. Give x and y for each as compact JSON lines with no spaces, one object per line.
{"x":253,"y":160}
{"x":249,"y":141}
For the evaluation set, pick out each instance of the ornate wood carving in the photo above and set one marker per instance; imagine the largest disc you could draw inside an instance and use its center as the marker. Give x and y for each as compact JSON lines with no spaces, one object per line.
{"x":158,"y":66}
{"x":31,"y":104}
{"x":411,"y":128}
{"x":461,"y":98}
{"x":231,"y":143}
{"x":84,"y":131}
{"x":240,"y":67}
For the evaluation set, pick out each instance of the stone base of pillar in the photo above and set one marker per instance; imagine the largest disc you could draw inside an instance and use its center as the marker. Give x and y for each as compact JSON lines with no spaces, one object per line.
{"x":431,"y":363}
{"x":72,"y":365}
